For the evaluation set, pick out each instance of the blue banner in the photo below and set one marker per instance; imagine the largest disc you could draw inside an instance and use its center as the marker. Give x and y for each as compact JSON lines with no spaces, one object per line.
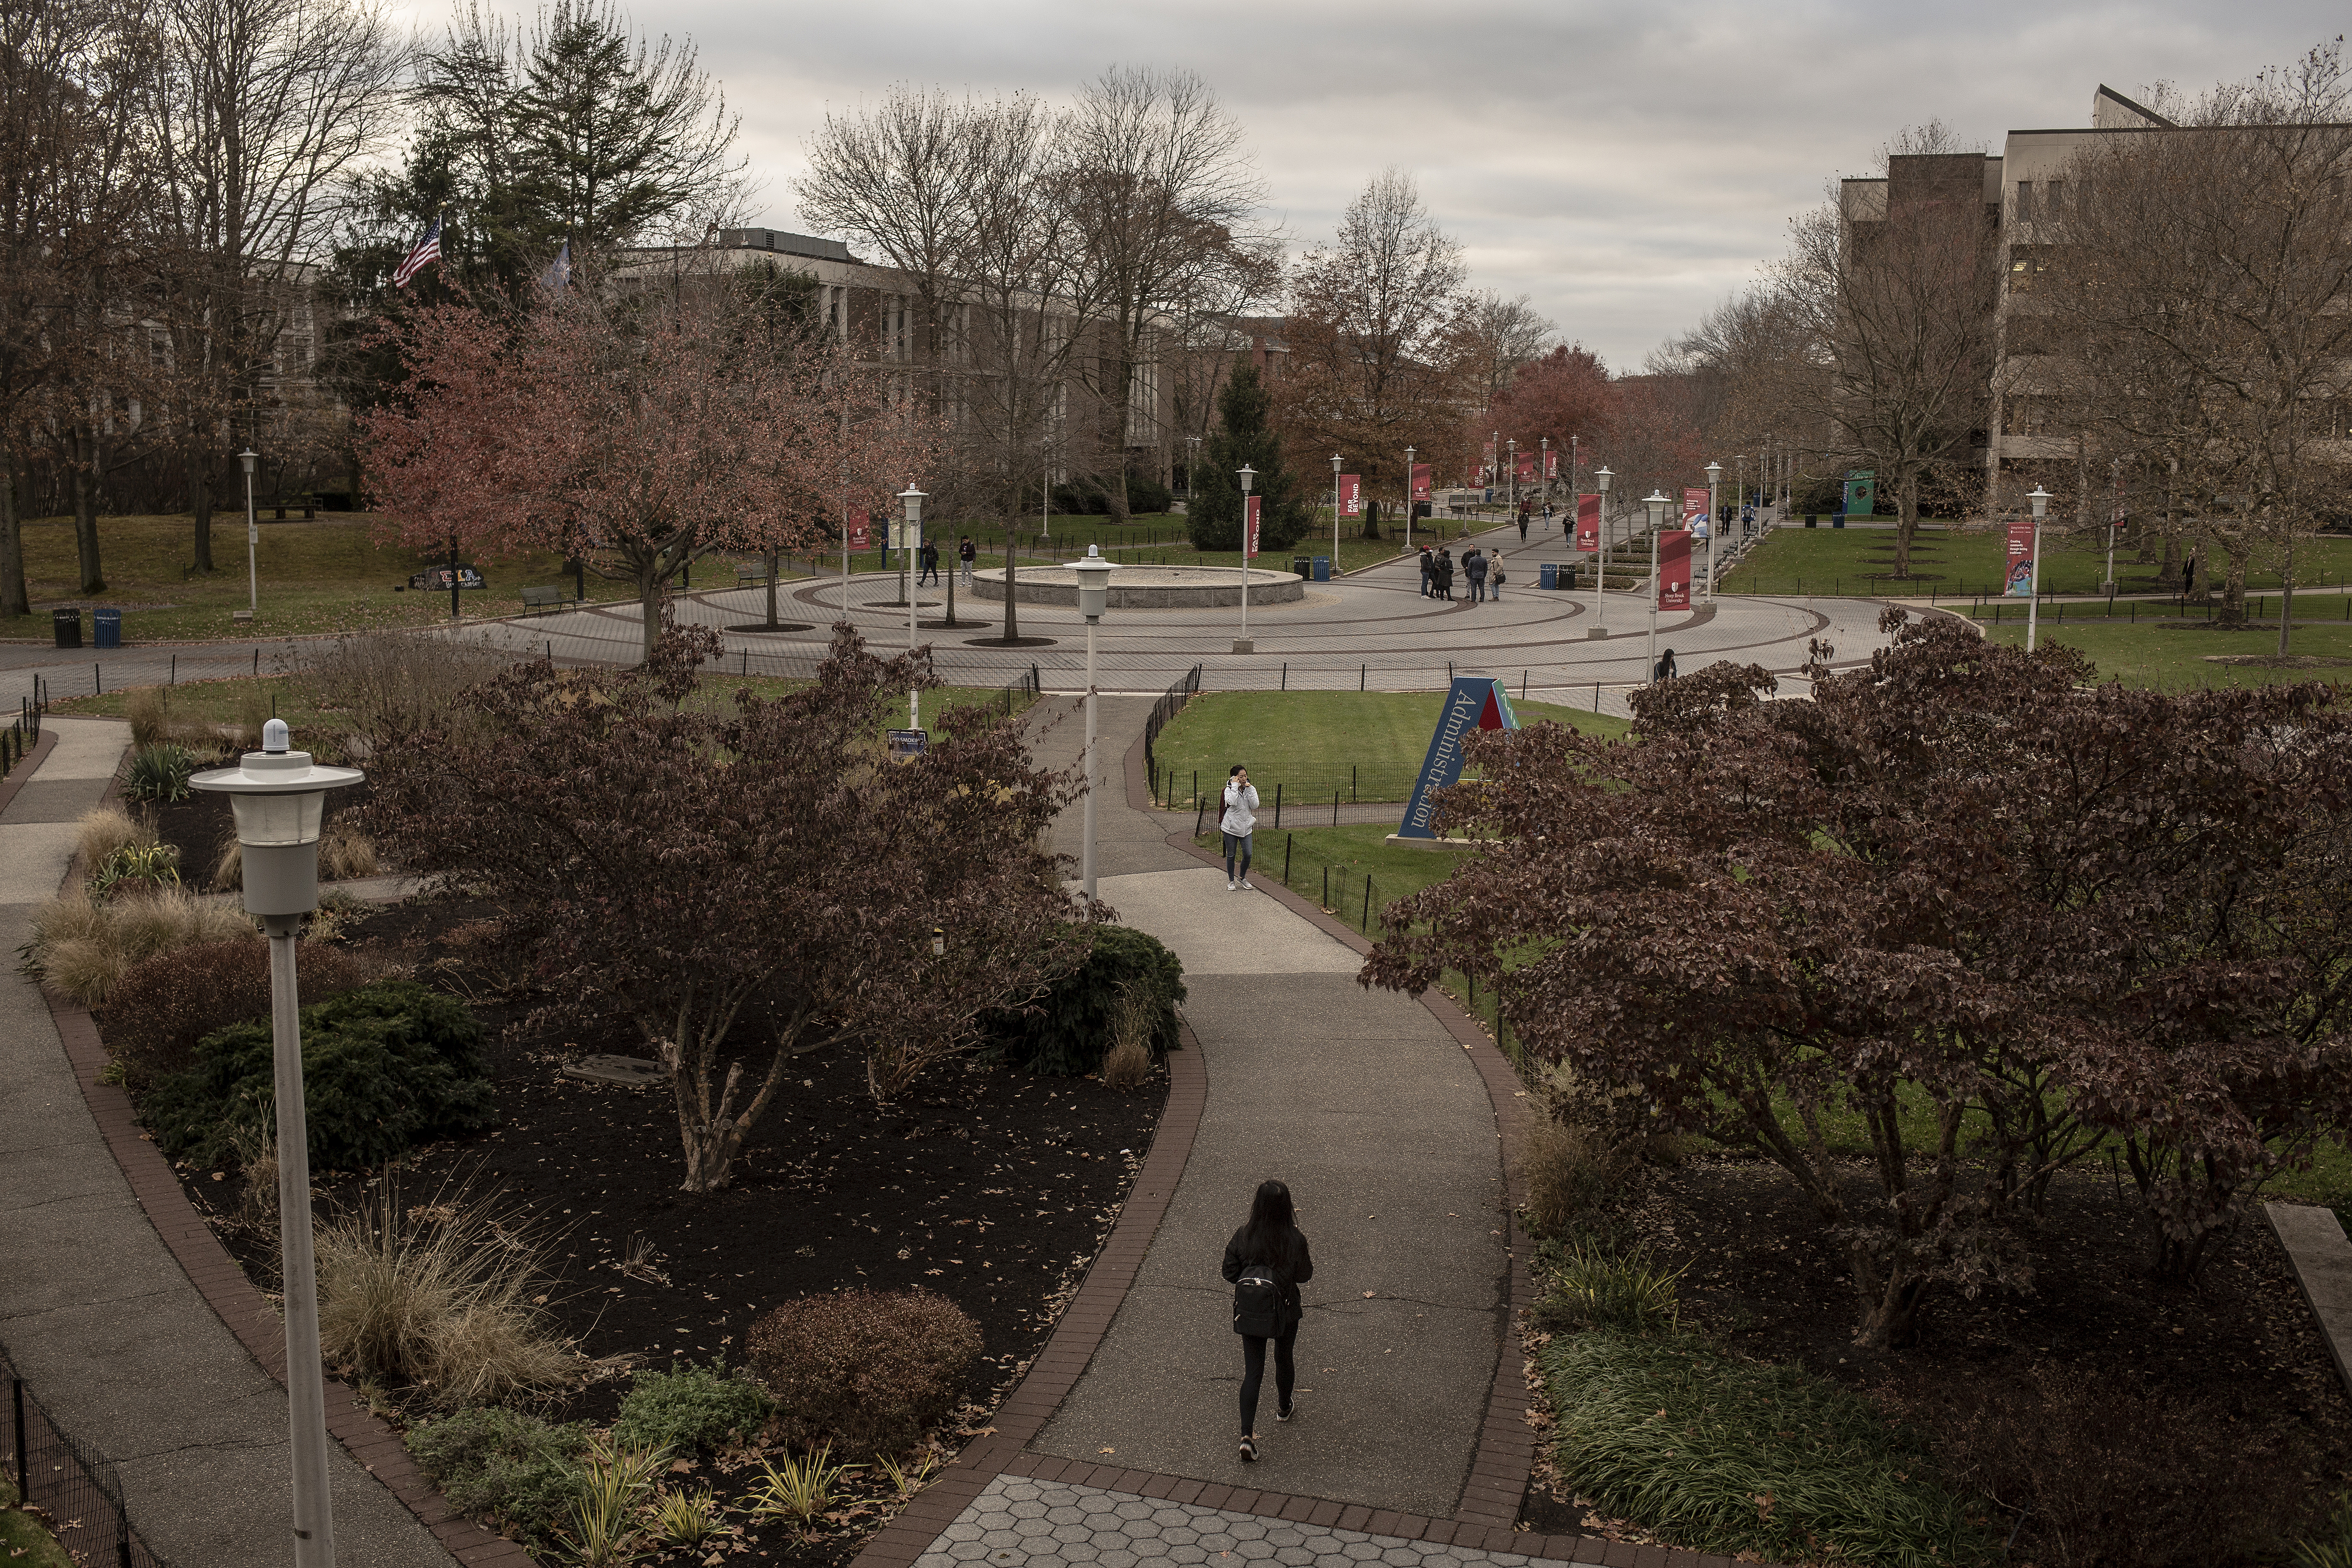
{"x":1474,"y":703}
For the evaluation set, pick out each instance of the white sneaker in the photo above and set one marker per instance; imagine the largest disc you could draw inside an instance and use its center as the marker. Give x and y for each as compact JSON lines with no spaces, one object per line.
{"x":1246,"y":886}
{"x":1230,"y":884}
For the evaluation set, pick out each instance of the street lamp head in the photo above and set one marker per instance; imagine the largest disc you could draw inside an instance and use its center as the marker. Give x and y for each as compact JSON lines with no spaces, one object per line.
{"x":1714,"y":473}
{"x":1094,"y":582}
{"x":1657,"y":503}
{"x":1602,"y":475}
{"x":2041,"y":500}
{"x":278,"y":796}
{"x":1248,"y":477}
{"x":250,"y":458}
{"x":913,"y":500}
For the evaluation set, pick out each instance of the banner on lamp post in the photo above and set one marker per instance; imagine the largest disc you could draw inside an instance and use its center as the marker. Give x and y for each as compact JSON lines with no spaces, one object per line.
{"x":1694,"y":504}
{"x":1588,"y":523}
{"x":1675,"y":568}
{"x":861,"y":535}
{"x":1523,"y":464}
{"x":2020,"y":557}
{"x":1551,"y":463}
{"x":1249,"y":526}
{"x":1351,"y":495}
{"x":1420,"y":481}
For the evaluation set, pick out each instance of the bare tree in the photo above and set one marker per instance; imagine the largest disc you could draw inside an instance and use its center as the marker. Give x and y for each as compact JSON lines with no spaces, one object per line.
{"x":1162,"y":194}
{"x":1499,"y":337}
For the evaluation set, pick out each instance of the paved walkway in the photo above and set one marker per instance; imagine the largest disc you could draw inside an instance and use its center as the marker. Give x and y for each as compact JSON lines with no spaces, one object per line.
{"x":97,"y":1314}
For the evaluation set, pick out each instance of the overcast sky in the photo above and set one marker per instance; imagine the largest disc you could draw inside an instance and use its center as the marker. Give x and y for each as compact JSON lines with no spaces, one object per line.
{"x":1625,"y":166}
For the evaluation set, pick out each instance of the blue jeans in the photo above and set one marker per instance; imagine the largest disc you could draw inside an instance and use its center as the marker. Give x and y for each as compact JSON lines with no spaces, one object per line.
{"x":1237,"y":844}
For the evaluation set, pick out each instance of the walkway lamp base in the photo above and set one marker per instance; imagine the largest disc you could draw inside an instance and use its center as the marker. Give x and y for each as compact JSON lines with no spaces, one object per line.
{"x":1244,"y":645}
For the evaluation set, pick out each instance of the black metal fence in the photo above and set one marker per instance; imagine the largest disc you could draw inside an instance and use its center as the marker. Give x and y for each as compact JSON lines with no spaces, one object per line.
{"x":1172,"y":702}
{"x":74,"y":1487}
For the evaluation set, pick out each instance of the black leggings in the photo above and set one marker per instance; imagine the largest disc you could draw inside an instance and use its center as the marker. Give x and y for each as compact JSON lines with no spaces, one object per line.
{"x":1254,"y":1374}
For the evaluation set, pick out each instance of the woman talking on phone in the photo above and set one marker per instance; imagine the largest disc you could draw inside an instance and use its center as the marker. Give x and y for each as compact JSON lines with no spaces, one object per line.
{"x":1238,"y":822}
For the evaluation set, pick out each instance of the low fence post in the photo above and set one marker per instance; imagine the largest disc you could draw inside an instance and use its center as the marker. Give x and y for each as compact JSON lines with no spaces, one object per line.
{"x":1367,"y":922}
{"x":1277,"y":806}
{"x":1287,"y":841}
{"x":16,"y":1398}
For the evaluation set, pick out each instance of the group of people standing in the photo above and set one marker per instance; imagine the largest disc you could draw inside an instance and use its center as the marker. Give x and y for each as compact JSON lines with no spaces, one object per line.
{"x":1483,"y":572}
{"x":928,"y":561}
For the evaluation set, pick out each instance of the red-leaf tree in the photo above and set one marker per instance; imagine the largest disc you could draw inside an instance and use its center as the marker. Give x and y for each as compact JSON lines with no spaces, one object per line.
{"x":637,"y":432}
{"x":752,"y":869}
{"x":1995,"y":916}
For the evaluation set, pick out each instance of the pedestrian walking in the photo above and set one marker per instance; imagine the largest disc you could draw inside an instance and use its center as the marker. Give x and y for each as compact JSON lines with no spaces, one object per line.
{"x":1473,"y":566}
{"x":1238,"y":822}
{"x":1265,"y":1263}
{"x":1524,"y":511}
{"x":1428,"y":571}
{"x":967,"y":555}
{"x":929,"y":556}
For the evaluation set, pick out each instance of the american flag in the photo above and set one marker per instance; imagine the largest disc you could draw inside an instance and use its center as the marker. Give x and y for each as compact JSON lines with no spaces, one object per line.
{"x":427,"y":248}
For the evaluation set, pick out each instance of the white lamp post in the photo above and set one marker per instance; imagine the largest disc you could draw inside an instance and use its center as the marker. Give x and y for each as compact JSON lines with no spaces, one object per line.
{"x":1657,"y":502}
{"x":1408,"y":506}
{"x":1601,"y":476}
{"x":1714,"y":512}
{"x":2041,"y":500}
{"x":1094,"y":594}
{"x":1511,"y":462}
{"x":1543,"y":472}
{"x":1248,"y":477}
{"x":279,"y":797}
{"x":251,"y":460}
{"x":912,"y":500}
{"x":1336,"y":461}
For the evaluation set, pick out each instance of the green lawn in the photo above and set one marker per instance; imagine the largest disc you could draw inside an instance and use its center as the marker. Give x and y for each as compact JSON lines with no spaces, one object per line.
{"x":1366,"y":745}
{"x":2173,"y":659}
{"x":1971,"y":564}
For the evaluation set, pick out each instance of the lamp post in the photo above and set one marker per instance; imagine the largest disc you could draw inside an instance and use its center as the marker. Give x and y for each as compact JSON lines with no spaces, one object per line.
{"x":1335,"y":513}
{"x":1543,"y":472}
{"x":2041,"y":500}
{"x":1575,"y":487}
{"x":1094,"y":592}
{"x":1600,"y":556}
{"x":279,"y":797}
{"x":912,"y":500}
{"x":251,"y":460}
{"x":1511,"y":463}
{"x":1714,"y":512}
{"x":1248,"y":477}
{"x":1657,"y":502}
{"x":1409,"y":508}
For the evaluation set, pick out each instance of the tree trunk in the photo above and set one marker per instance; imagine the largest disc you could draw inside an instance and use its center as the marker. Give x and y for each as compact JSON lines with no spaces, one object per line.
{"x":1891,"y":1318}
{"x":85,"y":501}
{"x":1907,"y":523}
{"x":772,"y":587}
{"x":200,"y":507}
{"x":2233,"y":592}
{"x":1012,"y":612}
{"x":12,"y":598}
{"x":2286,"y":593}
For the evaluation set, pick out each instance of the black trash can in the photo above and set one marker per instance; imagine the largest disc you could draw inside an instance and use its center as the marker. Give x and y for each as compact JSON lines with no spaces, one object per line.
{"x":68,"y":627}
{"x":108,"y":625}
{"x":1304,"y":568}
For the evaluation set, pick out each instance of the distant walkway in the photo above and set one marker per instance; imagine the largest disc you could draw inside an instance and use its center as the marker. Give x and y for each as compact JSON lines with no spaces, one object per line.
{"x":97,"y":1314}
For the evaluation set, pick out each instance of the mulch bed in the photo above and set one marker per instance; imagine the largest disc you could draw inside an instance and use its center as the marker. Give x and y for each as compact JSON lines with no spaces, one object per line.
{"x":1764,"y":1281}
{"x":990,"y":1186}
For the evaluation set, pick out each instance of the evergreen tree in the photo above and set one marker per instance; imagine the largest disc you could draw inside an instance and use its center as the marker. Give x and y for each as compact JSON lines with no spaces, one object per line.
{"x":1243,"y":439}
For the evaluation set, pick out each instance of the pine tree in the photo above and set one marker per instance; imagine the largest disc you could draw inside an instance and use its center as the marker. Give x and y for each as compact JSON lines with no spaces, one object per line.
{"x":1241,"y":439}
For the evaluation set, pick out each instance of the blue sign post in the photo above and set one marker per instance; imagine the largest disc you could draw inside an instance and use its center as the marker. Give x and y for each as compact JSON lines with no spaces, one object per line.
{"x":1474,"y":703}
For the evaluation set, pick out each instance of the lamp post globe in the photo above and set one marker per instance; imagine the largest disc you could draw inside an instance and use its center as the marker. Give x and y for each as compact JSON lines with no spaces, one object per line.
{"x":278,"y":796}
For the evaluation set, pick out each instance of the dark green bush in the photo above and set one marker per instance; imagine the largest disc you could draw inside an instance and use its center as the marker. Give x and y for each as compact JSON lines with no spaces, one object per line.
{"x":691,"y":1407}
{"x":515,"y":1468}
{"x":1145,"y":494}
{"x":1069,"y":1033}
{"x":159,"y":772}
{"x":866,"y":1371}
{"x":383,"y":1068}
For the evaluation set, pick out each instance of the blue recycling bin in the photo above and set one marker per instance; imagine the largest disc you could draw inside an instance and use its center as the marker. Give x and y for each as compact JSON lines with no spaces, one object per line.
{"x":1548,"y":575}
{"x":108,"y":624}
{"x":1837,"y":520}
{"x":1322,"y":568}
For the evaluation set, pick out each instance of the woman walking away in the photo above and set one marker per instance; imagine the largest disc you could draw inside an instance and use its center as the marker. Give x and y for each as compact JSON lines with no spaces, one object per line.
{"x":1239,"y":820}
{"x":1265,"y":1263}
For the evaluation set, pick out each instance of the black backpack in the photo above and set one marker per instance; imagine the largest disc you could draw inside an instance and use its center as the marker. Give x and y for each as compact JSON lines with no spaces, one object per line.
{"x":1258,"y":1305}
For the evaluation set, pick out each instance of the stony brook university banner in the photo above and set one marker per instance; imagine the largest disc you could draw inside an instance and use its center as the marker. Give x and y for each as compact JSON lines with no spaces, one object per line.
{"x":1351,"y":495}
{"x":1674,"y":566}
{"x":1524,"y":464}
{"x":1588,"y":523}
{"x":1694,"y":504}
{"x":861,"y":536}
{"x":1551,"y":464}
{"x":2020,"y":557}
{"x":1420,"y":481}
{"x":1249,"y":524}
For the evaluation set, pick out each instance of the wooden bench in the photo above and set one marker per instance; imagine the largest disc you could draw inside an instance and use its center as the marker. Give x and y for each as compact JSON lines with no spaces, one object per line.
{"x":751,"y":575}
{"x":542,"y":598}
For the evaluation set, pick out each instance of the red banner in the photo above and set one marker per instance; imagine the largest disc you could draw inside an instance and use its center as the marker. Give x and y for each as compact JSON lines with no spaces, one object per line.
{"x":1588,"y":523}
{"x":1523,"y":464}
{"x":1694,"y":504}
{"x":1420,"y":481}
{"x":860,"y":536}
{"x":1351,"y":495}
{"x":1675,"y":565}
{"x":1249,"y":525}
{"x":2020,"y":557}
{"x":1551,"y":464}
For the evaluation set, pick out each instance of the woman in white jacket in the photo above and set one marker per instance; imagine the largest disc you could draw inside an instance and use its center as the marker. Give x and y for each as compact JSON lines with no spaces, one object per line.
{"x":1240,"y":818}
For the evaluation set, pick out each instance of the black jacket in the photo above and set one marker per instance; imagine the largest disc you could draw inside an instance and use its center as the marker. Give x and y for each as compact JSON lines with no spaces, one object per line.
{"x":1236,"y":1263}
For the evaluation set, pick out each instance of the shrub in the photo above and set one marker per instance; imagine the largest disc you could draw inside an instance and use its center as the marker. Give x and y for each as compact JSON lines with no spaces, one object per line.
{"x":620,"y":1480}
{"x":344,"y":852}
{"x":870,"y":1371}
{"x":160,"y":772}
{"x":2110,"y":1476}
{"x":1571,"y":1173}
{"x":100,"y":832}
{"x":136,"y":868}
{"x":515,"y":1468}
{"x":1133,"y":1020}
{"x":385,"y":1068}
{"x":441,"y":1297}
{"x":148,"y":714}
{"x":1073,"y":1024}
{"x":393,"y":682}
{"x":164,"y":1005}
{"x":1734,"y":1456}
{"x":1594,"y":1286}
{"x":691,"y":1407}
{"x":83,"y":948}
{"x":2331,"y":1546}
